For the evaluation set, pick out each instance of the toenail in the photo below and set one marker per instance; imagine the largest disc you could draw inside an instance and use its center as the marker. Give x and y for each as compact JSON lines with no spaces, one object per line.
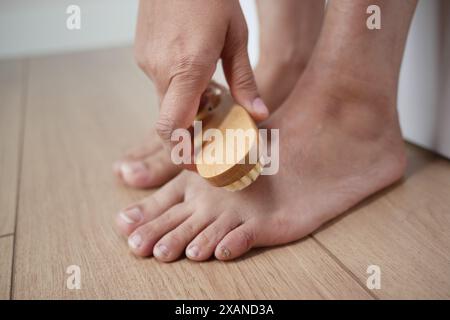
{"x":135,"y":241}
{"x":193,"y":251}
{"x":225,"y":252}
{"x":161,"y":251}
{"x":128,"y":168}
{"x":131,"y":216}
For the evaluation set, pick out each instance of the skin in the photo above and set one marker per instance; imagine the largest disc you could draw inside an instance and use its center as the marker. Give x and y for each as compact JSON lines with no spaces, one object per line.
{"x":180,"y":54}
{"x":342,"y":141}
{"x":293,"y":25}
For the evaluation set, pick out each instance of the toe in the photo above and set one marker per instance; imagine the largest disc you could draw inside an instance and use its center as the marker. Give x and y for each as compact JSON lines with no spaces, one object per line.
{"x":172,"y":245}
{"x":144,"y":238}
{"x":237,"y":242}
{"x":134,"y":173}
{"x":152,"y":171}
{"x":161,"y":169}
{"x":137,"y":154}
{"x":142,"y":151}
{"x":202,"y":247}
{"x":153,"y":206}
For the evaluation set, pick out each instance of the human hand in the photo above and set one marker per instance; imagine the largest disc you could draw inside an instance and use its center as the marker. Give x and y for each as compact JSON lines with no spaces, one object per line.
{"x":178,"y":44}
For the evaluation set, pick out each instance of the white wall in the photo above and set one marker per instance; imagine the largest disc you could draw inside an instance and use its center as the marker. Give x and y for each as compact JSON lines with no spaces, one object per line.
{"x":424,"y":92}
{"x":29,"y":27}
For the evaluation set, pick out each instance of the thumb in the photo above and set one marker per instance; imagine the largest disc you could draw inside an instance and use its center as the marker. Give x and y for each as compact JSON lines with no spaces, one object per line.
{"x":240,"y":78}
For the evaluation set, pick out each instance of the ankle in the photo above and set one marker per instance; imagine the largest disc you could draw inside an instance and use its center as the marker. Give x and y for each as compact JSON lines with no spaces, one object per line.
{"x":345,"y":82}
{"x":359,"y":95}
{"x":357,"y":119}
{"x":362,"y":114}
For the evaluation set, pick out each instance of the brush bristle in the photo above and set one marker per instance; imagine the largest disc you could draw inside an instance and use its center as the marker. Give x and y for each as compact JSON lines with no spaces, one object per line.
{"x":248,"y":179}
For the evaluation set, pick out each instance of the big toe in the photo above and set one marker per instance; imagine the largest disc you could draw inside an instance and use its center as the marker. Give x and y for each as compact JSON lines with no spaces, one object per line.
{"x":150,"y":208}
{"x":149,"y":172}
{"x":134,"y":173}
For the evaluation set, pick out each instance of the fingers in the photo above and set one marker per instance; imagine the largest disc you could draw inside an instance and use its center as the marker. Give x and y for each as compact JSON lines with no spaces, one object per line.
{"x":182,"y":98}
{"x":239,"y":73}
{"x":181,"y":58}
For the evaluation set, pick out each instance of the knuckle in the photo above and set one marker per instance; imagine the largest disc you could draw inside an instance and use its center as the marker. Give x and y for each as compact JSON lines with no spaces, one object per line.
{"x":175,"y":238}
{"x":141,"y":61}
{"x":187,"y":229}
{"x":141,"y":58}
{"x":242,"y":38}
{"x":247,"y":237}
{"x":205,"y":238}
{"x":164,"y":127}
{"x":145,"y":61}
{"x":189,"y":66}
{"x":146,"y":230}
{"x":152,"y":205}
{"x":243,"y":79}
{"x":137,"y":52}
{"x":239,"y":41}
{"x":210,"y":233}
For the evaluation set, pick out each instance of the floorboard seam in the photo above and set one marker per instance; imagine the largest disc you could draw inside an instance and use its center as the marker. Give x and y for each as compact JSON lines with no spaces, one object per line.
{"x":23,"y":104}
{"x":345,"y":268}
{"x":6,"y":235}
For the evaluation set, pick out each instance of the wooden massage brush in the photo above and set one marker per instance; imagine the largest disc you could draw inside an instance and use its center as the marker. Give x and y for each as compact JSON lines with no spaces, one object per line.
{"x":218,"y":111}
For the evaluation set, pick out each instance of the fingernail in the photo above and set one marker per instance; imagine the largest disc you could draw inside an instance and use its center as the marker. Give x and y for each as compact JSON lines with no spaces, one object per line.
{"x":160,"y":251}
{"x":193,"y":251}
{"x":131,"y":216}
{"x":225,"y":252}
{"x":135,"y":241}
{"x":128,"y":168}
{"x":260,"y":107}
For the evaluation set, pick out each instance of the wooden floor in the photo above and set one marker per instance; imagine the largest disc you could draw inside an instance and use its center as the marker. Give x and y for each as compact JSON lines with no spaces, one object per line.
{"x":64,"y":119}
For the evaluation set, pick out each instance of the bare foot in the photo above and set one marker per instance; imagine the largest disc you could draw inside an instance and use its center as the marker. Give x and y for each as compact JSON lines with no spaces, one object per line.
{"x":340,"y":149}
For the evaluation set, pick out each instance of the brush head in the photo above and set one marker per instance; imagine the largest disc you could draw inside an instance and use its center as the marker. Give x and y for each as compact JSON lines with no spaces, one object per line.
{"x":229,"y":154}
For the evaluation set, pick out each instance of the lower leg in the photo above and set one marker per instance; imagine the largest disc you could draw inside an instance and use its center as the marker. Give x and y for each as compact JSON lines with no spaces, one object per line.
{"x":359,"y":59}
{"x":358,"y":68}
{"x":288,"y":32}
